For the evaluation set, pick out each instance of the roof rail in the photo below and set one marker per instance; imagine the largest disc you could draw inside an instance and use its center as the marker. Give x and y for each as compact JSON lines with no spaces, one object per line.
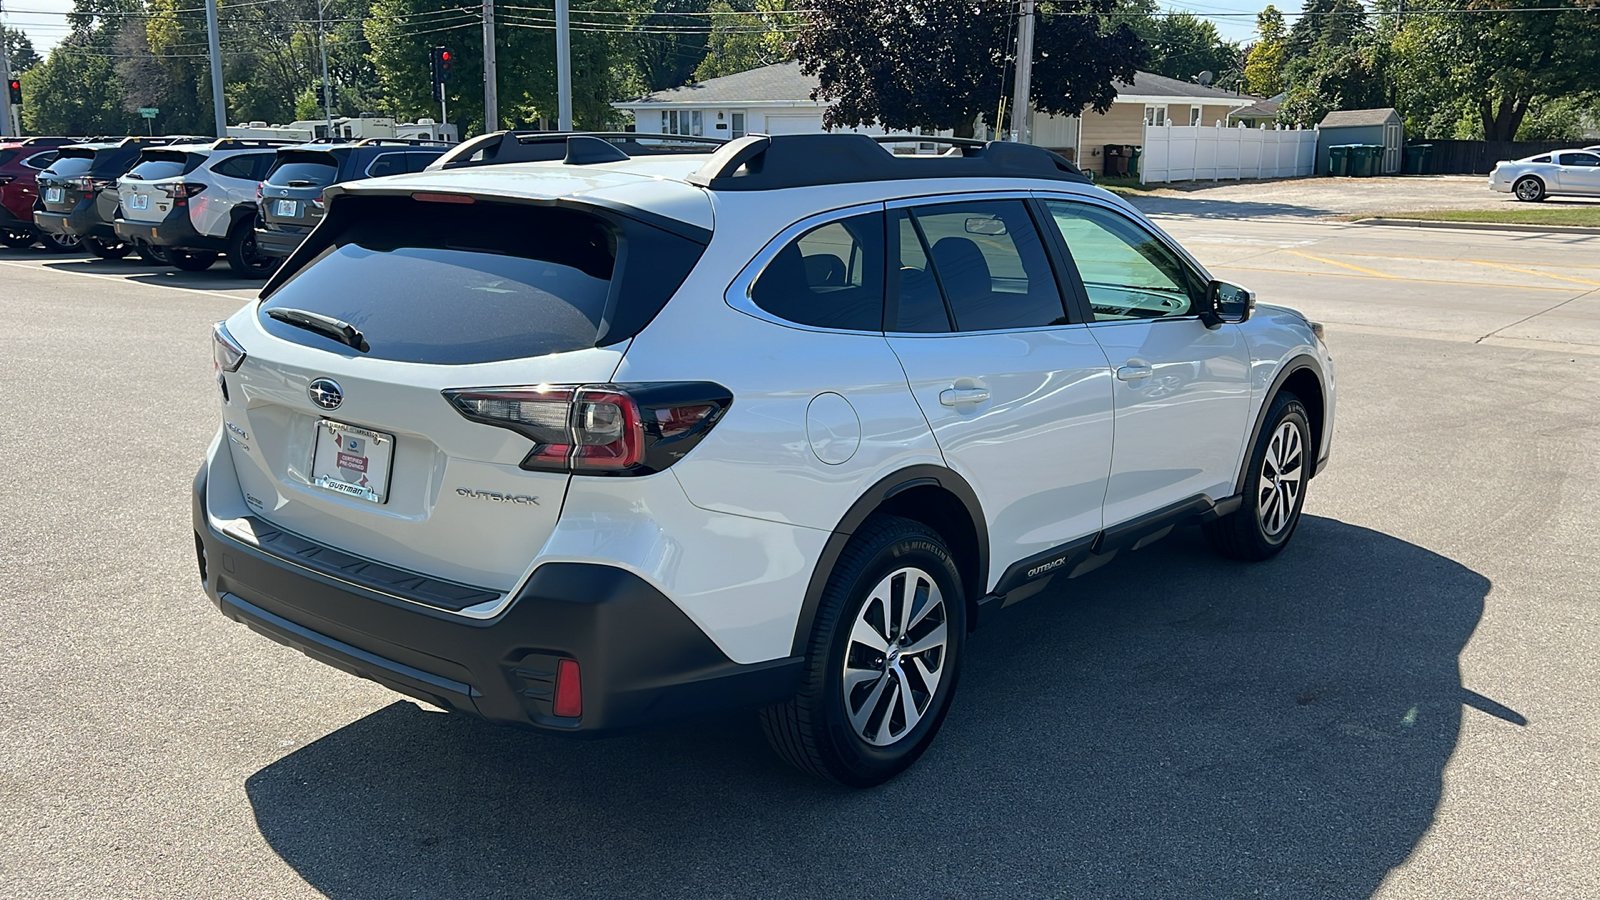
{"x":763,"y":162}
{"x":537,"y":146}
{"x":246,"y":143}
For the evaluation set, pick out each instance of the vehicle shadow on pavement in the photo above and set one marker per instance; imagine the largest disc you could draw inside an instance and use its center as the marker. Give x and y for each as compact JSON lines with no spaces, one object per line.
{"x":1170,"y":725}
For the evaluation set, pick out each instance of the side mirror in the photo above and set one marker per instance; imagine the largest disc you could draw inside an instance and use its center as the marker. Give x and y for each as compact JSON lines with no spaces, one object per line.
{"x":1227,"y":303}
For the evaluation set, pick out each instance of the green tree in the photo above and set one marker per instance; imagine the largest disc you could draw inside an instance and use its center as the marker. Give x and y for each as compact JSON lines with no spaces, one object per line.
{"x":671,"y":42}
{"x":1182,"y":46}
{"x":20,"y":54}
{"x":943,"y":65}
{"x":1264,"y":61}
{"x":1497,"y":61}
{"x":743,"y":39}
{"x":1335,"y":61}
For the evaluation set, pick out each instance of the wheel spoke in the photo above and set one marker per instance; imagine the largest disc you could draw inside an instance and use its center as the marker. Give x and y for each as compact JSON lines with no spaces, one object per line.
{"x":934,"y":638}
{"x":854,"y":678}
{"x":929,"y":600}
{"x":908,"y":702}
{"x":910,"y":586}
{"x":861,"y":717}
{"x":930,"y":678}
{"x":865,"y":634}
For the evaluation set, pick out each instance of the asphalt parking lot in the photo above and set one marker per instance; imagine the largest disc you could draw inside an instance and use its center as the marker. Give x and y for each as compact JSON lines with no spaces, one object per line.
{"x":1400,"y":705}
{"x":1314,"y":198}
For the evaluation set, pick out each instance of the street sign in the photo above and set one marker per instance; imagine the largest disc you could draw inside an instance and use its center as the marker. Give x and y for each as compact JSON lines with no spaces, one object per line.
{"x":148,"y":112}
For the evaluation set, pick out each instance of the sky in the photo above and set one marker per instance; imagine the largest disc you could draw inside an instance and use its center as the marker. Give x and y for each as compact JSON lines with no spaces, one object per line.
{"x":45,"y":24}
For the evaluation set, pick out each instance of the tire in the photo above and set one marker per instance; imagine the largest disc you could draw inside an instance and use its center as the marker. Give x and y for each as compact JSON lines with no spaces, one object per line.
{"x":192,"y":260}
{"x":246,"y":260}
{"x":150,"y":253}
{"x":105,"y":250}
{"x":61,"y":243}
{"x":1275,"y":484}
{"x":17,"y":240}
{"x":865,"y":737}
{"x":1528,"y":189}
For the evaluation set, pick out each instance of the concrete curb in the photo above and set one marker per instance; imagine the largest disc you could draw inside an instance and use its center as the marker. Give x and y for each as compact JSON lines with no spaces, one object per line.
{"x":1478,"y":226}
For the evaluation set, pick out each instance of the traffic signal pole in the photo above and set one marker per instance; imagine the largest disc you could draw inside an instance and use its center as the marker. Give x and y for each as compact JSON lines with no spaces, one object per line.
{"x":491,"y":95}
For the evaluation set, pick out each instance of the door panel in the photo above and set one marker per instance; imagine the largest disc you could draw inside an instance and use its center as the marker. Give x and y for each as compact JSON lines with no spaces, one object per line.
{"x":1182,"y":400}
{"x":1579,"y":172}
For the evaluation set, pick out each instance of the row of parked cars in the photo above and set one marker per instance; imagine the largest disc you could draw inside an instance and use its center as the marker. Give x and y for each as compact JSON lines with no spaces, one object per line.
{"x":184,"y":201}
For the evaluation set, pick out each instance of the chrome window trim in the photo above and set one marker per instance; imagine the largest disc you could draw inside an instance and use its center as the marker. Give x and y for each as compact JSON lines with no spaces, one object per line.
{"x":738,"y":294}
{"x":1166,"y":241}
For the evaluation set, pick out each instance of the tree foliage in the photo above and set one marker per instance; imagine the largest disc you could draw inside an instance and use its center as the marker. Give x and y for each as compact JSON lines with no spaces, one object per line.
{"x":943,"y":64}
{"x":1264,"y":61}
{"x":744,"y":39}
{"x":20,"y":55}
{"x":1335,"y":62}
{"x":1181,"y":44}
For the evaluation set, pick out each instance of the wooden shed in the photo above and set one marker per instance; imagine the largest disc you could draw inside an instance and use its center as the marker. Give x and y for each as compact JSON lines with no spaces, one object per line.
{"x":1362,"y":126}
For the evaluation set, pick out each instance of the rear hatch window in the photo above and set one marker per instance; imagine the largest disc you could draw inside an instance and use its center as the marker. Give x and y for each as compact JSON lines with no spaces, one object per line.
{"x":304,"y":170}
{"x":461,"y":283}
{"x":68,"y":166}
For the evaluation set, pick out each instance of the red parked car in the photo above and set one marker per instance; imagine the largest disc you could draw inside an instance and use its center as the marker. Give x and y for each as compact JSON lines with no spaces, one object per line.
{"x":20,"y":164}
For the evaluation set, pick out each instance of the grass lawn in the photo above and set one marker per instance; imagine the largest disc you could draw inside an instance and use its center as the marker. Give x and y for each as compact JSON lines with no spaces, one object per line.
{"x":1118,"y":185}
{"x":1522,"y":214}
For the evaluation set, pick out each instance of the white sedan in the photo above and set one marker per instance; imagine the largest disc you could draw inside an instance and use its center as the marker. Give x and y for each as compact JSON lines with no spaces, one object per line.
{"x":1560,"y":172}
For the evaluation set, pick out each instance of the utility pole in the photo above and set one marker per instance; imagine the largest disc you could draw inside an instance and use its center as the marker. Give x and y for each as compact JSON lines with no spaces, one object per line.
{"x":563,"y":64}
{"x":491,"y":94}
{"x":1020,"y":105}
{"x":218,"y":101}
{"x":327,"y":95}
{"x":8,"y":124}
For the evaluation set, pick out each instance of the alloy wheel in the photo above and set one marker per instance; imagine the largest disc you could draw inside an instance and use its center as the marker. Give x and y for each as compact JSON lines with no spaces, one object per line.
{"x":1279,"y":487}
{"x":896,"y":657}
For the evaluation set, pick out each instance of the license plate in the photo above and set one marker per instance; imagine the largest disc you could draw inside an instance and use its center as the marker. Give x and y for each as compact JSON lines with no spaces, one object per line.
{"x":287,"y":208}
{"x":139,"y":201}
{"x":352,"y":461}
{"x":53,"y":195}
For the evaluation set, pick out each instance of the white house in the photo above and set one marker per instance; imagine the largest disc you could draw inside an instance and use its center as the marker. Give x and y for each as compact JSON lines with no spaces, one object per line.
{"x":776,"y":99}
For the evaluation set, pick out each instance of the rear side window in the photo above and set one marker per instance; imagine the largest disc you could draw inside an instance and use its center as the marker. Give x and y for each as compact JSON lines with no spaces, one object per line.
{"x":41,"y":160}
{"x":457,"y":283}
{"x":828,"y":277}
{"x":387,"y":164}
{"x":244,"y":166}
{"x":304,"y":170}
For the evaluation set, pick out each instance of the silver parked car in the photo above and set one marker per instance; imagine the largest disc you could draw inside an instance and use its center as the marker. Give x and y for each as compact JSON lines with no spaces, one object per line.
{"x":1559,"y":172}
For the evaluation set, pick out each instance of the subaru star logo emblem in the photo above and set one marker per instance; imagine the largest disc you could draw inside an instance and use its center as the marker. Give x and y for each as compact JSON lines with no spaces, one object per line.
{"x":326,"y":393}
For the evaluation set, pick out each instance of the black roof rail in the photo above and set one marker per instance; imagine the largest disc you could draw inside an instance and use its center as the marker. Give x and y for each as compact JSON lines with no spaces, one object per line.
{"x":501,"y":147}
{"x":247,"y":143}
{"x":763,"y":162}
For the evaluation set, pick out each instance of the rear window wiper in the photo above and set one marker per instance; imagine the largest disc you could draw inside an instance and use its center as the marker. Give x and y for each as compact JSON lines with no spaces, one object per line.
{"x":328,"y":326}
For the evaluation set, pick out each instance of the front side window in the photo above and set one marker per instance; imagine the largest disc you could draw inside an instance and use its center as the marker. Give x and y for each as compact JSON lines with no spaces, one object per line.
{"x":1127,"y":272}
{"x":828,"y":277}
{"x":984,"y":258}
{"x":1587,"y":160}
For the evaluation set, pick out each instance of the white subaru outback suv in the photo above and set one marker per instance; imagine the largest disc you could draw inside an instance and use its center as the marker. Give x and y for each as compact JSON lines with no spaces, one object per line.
{"x":198,"y":201}
{"x":602,"y":442}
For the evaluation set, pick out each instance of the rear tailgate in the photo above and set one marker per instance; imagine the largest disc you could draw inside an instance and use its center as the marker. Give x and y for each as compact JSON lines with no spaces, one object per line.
{"x":292,"y":192}
{"x":61,"y":185}
{"x":358,"y":448}
{"x":142,"y":192}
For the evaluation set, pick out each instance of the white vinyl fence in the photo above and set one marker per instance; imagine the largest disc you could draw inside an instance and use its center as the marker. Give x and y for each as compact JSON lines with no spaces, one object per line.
{"x":1214,"y":152}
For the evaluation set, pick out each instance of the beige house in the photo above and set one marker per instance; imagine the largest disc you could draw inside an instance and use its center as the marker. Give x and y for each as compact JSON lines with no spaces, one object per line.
{"x":776,"y":99}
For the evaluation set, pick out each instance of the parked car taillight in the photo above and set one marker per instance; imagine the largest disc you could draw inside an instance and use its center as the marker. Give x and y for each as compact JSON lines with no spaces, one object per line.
{"x":605,"y":429}
{"x":181,"y":191}
{"x":226,"y":354}
{"x":258,"y":192}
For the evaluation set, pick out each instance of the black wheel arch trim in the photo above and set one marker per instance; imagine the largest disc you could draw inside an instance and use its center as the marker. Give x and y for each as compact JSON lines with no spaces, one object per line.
{"x":921,"y":475}
{"x":1295,"y":364}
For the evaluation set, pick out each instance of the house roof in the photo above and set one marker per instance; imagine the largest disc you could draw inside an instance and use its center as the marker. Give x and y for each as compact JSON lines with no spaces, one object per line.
{"x":775,"y":83}
{"x":1261,"y":109}
{"x":785,"y":83}
{"x":1349,"y":118}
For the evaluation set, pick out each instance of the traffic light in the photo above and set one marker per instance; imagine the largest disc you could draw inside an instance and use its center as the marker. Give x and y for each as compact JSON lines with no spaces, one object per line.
{"x":442,"y":61}
{"x":14,"y":87}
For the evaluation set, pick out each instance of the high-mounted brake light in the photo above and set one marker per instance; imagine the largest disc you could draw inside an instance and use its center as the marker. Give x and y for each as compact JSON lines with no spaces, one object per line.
{"x":603,"y":429}
{"x":431,"y":197}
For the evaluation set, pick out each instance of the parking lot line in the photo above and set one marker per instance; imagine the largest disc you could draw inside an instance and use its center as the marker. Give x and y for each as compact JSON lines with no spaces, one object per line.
{"x":70,"y":271}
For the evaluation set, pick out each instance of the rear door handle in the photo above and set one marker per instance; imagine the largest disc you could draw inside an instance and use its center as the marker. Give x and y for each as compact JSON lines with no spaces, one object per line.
{"x":958,"y":396}
{"x":1135,"y":372}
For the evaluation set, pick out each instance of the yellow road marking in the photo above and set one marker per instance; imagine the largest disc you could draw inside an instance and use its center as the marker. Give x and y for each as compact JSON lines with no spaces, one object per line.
{"x":1484,"y":262}
{"x":1364,"y":254}
{"x":1488,"y":284}
{"x":1333,"y":262}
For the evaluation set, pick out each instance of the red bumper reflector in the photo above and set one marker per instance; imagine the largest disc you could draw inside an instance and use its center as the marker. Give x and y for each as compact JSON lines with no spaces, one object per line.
{"x":569,"y":690}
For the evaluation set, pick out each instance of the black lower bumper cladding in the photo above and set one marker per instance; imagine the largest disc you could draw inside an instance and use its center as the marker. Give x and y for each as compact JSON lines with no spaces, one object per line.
{"x":642,"y":661}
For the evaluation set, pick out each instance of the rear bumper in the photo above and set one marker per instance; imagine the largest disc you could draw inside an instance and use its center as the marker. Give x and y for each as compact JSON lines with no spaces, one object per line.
{"x":83,"y":221}
{"x":279,"y":240}
{"x":174,"y":231}
{"x":642,"y":661}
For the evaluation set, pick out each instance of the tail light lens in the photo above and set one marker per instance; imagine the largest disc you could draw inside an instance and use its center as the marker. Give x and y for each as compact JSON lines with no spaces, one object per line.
{"x":226,"y":354}
{"x":607,"y":429}
{"x":180,"y":192}
{"x":258,"y":192}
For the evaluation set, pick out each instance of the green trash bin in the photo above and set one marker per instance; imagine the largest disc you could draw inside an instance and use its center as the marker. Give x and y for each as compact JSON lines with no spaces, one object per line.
{"x":1413,"y":160}
{"x":1365,"y":159}
{"x":1339,"y":159}
{"x":1425,"y":164}
{"x":1133,"y":161}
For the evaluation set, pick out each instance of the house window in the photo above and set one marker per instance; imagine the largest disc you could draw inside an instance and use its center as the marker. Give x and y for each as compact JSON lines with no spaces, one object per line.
{"x":664,"y":123}
{"x":1155,"y":115}
{"x":926,"y":147}
{"x":690,"y":122}
{"x":738,"y":125}
{"x":1194,"y":115}
{"x":696,"y":124}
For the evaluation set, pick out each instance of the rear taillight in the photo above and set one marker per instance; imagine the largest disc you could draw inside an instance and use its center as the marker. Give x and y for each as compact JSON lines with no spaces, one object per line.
{"x":606,"y":429}
{"x":258,"y":192}
{"x":226,"y":354}
{"x":180,"y":192}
